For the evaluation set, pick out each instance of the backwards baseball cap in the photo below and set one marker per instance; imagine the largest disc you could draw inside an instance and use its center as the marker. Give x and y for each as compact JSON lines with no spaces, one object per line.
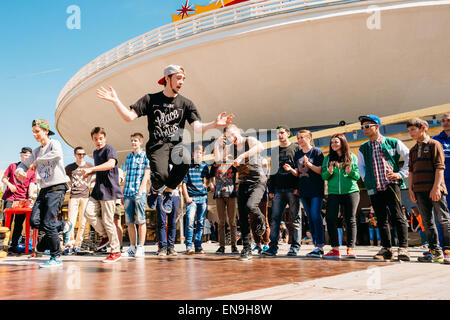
{"x":26,"y":150}
{"x":285,"y":128}
{"x":169,"y":70}
{"x":44,"y":124}
{"x":371,"y":118}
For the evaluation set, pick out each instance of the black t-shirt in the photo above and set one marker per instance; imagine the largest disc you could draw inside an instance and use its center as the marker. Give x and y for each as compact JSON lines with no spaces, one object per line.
{"x":166,"y":116}
{"x":107,"y":185}
{"x":310,"y":184}
{"x":282,"y":179}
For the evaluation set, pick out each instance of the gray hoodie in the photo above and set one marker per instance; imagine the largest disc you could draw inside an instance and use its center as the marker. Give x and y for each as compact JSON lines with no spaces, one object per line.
{"x":49,"y":162}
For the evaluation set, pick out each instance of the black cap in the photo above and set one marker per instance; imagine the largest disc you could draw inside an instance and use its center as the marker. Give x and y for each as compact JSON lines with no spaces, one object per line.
{"x":26,"y":150}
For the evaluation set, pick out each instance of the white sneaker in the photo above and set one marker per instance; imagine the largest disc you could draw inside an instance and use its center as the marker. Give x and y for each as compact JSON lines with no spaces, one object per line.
{"x":131,"y":252}
{"x":140,"y":252}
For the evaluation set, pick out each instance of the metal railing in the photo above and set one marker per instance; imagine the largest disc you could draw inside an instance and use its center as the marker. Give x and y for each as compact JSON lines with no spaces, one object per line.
{"x":246,"y":11}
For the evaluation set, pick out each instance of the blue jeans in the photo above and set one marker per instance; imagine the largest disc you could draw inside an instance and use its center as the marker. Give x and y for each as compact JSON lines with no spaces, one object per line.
{"x":372,"y":232}
{"x":340,"y":235}
{"x":43,"y":217}
{"x":167,"y":239}
{"x":313,"y":208}
{"x":135,"y":209}
{"x":195,"y":212}
{"x":281,"y":198}
{"x":423,"y":237}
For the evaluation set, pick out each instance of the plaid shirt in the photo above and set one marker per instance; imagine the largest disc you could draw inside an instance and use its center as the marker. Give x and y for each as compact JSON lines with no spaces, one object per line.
{"x":380,"y":165}
{"x":134,"y":166}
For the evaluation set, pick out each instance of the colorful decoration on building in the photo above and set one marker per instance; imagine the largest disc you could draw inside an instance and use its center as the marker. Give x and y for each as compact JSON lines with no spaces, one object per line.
{"x":214,"y":4}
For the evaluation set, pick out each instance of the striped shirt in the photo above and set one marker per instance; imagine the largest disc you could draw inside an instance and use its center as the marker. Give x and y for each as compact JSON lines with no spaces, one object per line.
{"x":425,"y":158}
{"x":381,"y":166}
{"x":194,"y":180}
{"x":134,"y":166}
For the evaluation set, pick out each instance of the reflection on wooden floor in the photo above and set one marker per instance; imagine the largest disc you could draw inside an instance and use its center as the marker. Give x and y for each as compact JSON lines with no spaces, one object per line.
{"x":166,"y":278}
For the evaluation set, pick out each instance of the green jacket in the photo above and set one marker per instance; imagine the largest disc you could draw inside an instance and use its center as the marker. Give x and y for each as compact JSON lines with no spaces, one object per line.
{"x":339,"y":182}
{"x":392,"y":149}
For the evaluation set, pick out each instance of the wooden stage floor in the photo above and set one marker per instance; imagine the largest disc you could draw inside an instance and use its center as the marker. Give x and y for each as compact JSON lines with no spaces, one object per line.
{"x":161,"y":278}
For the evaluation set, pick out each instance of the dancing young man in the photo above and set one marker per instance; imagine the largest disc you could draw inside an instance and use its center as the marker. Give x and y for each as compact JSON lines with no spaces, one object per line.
{"x":245,"y":152}
{"x":167,"y":112}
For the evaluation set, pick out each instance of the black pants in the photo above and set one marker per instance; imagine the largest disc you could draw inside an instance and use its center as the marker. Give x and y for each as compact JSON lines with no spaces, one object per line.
{"x":43,"y":217}
{"x":349,"y":202}
{"x":387,"y":207}
{"x":249,"y":197}
{"x":426,"y":206}
{"x":163,"y":154}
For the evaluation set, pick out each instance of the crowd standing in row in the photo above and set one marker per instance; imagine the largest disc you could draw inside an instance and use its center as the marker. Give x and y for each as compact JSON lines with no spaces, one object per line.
{"x":298,"y":174}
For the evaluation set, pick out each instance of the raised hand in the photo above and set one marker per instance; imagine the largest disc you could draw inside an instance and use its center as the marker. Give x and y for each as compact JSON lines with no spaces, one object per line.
{"x":107,"y":94}
{"x":222,"y":120}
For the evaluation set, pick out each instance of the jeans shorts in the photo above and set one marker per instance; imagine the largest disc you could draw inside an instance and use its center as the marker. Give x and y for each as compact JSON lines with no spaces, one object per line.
{"x":135,"y":209}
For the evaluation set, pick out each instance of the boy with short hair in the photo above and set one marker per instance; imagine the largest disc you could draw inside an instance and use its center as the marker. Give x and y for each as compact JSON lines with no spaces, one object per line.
{"x":137,"y":170}
{"x":105,"y":193}
{"x":47,"y":160}
{"x":427,"y":188}
{"x":196,"y":196}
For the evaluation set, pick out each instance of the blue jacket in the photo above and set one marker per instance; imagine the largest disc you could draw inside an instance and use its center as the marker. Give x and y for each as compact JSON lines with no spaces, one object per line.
{"x":444,"y":139}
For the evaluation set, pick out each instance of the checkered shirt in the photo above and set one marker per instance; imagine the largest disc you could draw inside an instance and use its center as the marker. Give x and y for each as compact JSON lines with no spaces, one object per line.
{"x":134,"y":166}
{"x":380,"y":166}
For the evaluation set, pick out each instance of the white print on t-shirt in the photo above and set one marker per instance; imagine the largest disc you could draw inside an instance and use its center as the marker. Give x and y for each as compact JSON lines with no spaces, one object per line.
{"x":302,"y":168}
{"x":46,"y":170}
{"x":77,"y":179}
{"x":162,"y":127}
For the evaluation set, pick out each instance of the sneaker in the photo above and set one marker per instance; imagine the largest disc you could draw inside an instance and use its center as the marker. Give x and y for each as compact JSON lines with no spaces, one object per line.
{"x":257,"y":248}
{"x":332,"y":254}
{"x":103,"y":243}
{"x":113,"y":257}
{"x":432,"y":256}
{"x":131,"y":252}
{"x":221,"y":250}
{"x":234,"y":250}
{"x":199,"y":251}
{"x":171,"y":252}
{"x":292,"y":252}
{"x":316,"y":253}
{"x":265,"y":248}
{"x":66,"y":232}
{"x":77,"y":250}
{"x":162,"y":252}
{"x":351,"y":253}
{"x":403,"y":254}
{"x":52,"y":263}
{"x":270,"y":252}
{"x":68,"y":251}
{"x":259,"y":225}
{"x":152,"y":198}
{"x":246,"y":254}
{"x":190,"y":251}
{"x":446,"y":256}
{"x":140,"y":252}
{"x":166,"y":203}
{"x":13,"y":250}
{"x":384,"y":254}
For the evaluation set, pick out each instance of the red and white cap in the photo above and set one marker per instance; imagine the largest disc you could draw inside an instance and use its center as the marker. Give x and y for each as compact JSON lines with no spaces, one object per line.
{"x":169,"y":70}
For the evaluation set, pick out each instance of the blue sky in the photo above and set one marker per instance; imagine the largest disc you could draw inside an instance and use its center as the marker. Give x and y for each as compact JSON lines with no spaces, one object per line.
{"x":39,"y":54}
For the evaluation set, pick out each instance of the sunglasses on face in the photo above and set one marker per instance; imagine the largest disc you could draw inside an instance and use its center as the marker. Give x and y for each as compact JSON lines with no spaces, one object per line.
{"x":367,"y":126}
{"x":81,"y":154}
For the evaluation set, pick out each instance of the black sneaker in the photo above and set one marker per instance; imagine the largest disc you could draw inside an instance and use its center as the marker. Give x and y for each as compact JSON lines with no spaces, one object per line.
{"x":246,"y":254}
{"x":162,"y":252}
{"x":199,"y":251}
{"x":13,"y":250}
{"x":384,"y":254}
{"x":171,"y":252}
{"x":166,"y":203}
{"x":221,"y":250}
{"x":259,"y":225}
{"x":234,"y":250}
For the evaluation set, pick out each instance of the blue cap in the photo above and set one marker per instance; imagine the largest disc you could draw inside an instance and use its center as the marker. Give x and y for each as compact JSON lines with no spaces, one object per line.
{"x":370,"y":117}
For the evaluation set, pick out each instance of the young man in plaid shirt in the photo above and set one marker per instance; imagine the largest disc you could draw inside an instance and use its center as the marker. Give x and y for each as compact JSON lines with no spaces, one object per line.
{"x":379,"y":165}
{"x":137,"y":169}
